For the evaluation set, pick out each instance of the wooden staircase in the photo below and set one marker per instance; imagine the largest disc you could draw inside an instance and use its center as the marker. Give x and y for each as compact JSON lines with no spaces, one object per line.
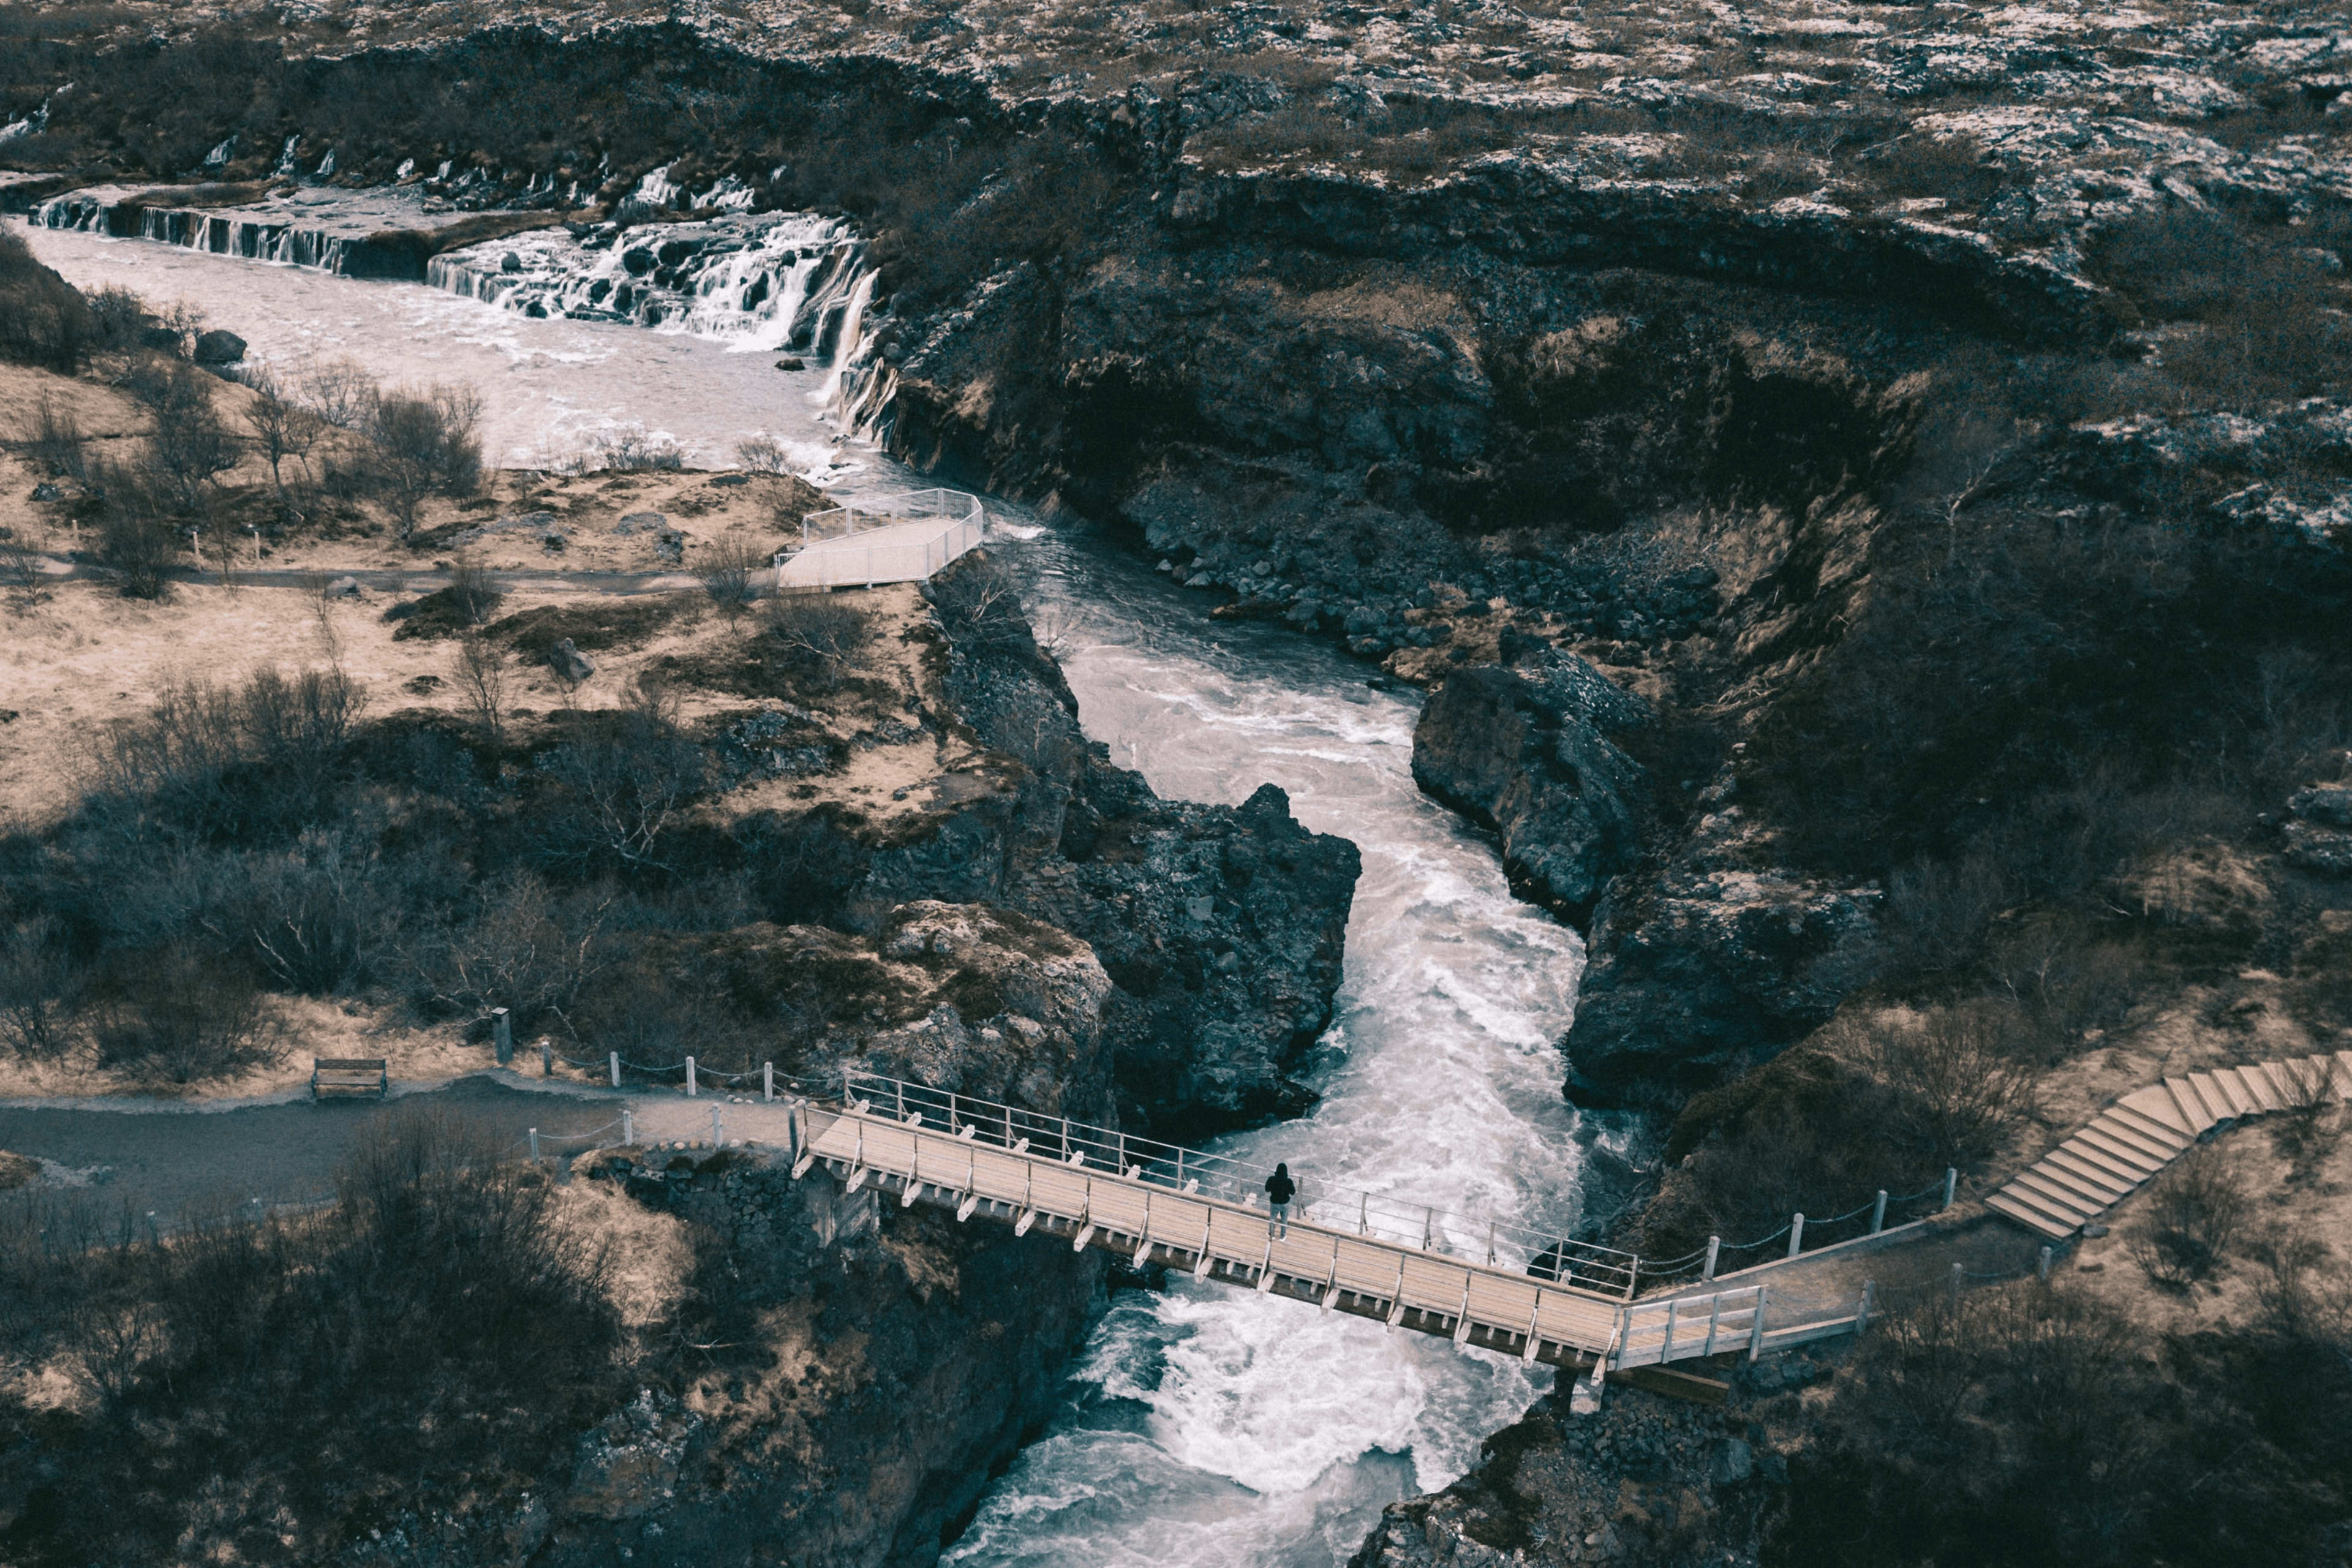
{"x":2146,"y":1130}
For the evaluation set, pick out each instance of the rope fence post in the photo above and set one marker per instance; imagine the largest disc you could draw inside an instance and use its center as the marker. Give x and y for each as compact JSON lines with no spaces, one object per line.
{"x":628,"y":1131}
{"x":768,"y":1080}
{"x":546,"y":1057}
{"x":613,"y":1059}
{"x":689,"y":1075}
{"x":2044,"y":1268}
{"x":1862,"y":1313}
{"x":1878,"y":1213}
{"x":1756,"y":1327}
{"x":1795,"y":1234}
{"x":1952,"y":1184}
{"x":1714,"y":1247}
{"x":1956,"y":1284}
{"x":534,"y":1146}
{"x":502,"y":1034}
{"x":717,"y":1130}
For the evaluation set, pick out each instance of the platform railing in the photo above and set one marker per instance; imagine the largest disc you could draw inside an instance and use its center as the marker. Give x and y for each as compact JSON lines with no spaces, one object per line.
{"x":1383,"y":1216}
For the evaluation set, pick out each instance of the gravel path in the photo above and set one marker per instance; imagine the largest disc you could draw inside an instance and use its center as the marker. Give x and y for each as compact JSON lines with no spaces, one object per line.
{"x":174,"y":1161}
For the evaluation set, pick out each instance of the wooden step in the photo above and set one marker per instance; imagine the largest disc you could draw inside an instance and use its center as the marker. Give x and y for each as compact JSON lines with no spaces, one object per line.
{"x":2159,"y":1134}
{"x":2054,"y":1197}
{"x":2216,"y":1098}
{"x":2193,"y":1110}
{"x":2084,"y":1165}
{"x":2122,"y":1150}
{"x":2243,"y":1092}
{"x":2088,"y":1196}
{"x":2156,"y":1104}
{"x":2094,"y":1159}
{"x":2031,"y":1216}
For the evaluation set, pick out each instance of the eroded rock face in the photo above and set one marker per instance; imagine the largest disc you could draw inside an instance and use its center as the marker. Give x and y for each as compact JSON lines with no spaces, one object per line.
{"x":1710,"y":966}
{"x":1524,"y":750}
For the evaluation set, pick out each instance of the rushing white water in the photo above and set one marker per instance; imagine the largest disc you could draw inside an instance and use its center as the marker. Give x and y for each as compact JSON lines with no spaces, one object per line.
{"x":1204,"y":1426}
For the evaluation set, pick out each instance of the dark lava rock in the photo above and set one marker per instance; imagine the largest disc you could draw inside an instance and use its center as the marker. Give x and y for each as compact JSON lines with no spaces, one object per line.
{"x":568,"y":662}
{"x":1711,"y":967}
{"x":1525,"y":751}
{"x":218,"y":347}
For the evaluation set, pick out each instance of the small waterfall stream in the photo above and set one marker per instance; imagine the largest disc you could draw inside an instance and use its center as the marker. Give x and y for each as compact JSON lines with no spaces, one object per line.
{"x":1202,"y":1426}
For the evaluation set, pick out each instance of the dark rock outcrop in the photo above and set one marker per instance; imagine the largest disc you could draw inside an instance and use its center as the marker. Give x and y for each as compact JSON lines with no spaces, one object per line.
{"x":1711,"y":965}
{"x":1525,"y":751}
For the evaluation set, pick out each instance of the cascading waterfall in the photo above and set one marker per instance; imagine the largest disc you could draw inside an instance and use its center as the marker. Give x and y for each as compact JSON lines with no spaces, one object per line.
{"x":221,"y":232}
{"x":789,"y":282}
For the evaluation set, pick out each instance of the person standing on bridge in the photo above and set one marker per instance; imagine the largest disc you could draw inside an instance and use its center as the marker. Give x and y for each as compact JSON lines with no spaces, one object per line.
{"x":1279,"y":1189}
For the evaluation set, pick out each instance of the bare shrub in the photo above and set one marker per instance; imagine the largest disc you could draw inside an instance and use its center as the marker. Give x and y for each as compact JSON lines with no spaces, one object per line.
{"x":20,"y":573}
{"x":632,"y":449}
{"x":820,"y":631}
{"x":979,"y":604}
{"x":519,"y":947}
{"x":138,"y":537}
{"x":2196,"y":1210}
{"x":53,"y":439}
{"x":620,"y":795}
{"x":428,"y":442}
{"x":40,"y":991}
{"x":116,"y":316}
{"x":182,"y":1016}
{"x":339,"y":392}
{"x":281,"y":426}
{"x":481,"y":669}
{"x":43,"y":320}
{"x":1960,"y":1078}
{"x":1937,"y":910}
{"x":763,"y":454}
{"x":322,"y":919}
{"x":234,"y":761}
{"x":470,"y":590}
{"x":728,"y":568}
{"x":190,"y":443}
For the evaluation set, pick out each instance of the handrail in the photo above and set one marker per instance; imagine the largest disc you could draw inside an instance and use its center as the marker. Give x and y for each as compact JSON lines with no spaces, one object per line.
{"x":1542,"y":1255}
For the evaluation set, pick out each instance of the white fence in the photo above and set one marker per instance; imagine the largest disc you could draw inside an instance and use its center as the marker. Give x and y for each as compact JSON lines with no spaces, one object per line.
{"x":892,"y":539}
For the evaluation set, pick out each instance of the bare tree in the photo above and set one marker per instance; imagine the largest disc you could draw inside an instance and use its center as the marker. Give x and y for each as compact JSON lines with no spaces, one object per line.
{"x":763,"y":454}
{"x":281,"y":427}
{"x":338,"y":392}
{"x":727,"y":567}
{"x":20,"y":572}
{"x":818,"y":629}
{"x":429,"y":443}
{"x":481,"y":675}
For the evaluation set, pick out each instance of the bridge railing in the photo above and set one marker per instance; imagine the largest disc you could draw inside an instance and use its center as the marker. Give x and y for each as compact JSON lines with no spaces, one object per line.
{"x":1543,"y":1255}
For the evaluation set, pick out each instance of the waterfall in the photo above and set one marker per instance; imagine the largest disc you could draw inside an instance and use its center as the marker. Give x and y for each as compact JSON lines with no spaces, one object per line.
{"x":781,"y":282}
{"x":223,"y":233}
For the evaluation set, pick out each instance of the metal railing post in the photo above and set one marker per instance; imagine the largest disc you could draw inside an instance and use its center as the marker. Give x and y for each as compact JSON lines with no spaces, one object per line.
{"x":1714,"y":1246}
{"x":1878,"y":1213}
{"x":1795,"y":1234}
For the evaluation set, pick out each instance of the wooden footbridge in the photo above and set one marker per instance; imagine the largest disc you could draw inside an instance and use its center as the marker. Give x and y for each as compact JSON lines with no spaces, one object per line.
{"x":1540,"y":1298}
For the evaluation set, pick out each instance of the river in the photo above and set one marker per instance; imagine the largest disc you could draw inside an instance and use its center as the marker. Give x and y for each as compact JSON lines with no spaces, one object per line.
{"x":1202,"y":1426}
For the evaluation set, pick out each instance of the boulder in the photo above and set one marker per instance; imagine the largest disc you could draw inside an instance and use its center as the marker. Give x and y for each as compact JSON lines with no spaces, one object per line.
{"x":218,"y":347}
{"x":345,"y":588}
{"x":2325,"y":850}
{"x":1525,"y":751}
{"x":791,"y":364}
{"x":569,"y":663}
{"x":2328,"y":803}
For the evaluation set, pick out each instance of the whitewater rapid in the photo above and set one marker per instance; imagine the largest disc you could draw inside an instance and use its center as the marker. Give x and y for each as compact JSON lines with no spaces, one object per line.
{"x":1202,"y":1426}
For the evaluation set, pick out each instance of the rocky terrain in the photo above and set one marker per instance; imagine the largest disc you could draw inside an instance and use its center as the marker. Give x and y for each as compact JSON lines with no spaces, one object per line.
{"x":1866,"y":487}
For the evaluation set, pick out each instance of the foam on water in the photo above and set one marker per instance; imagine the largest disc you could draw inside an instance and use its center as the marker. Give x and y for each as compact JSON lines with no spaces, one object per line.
{"x":1202,"y":1426}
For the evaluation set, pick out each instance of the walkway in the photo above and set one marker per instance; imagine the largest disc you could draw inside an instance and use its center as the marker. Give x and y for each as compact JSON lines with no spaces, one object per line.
{"x":892,"y":539}
{"x":2145,"y":1131}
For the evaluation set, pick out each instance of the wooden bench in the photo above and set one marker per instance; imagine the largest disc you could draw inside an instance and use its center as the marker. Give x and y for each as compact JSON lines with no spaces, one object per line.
{"x":335,"y":1078}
